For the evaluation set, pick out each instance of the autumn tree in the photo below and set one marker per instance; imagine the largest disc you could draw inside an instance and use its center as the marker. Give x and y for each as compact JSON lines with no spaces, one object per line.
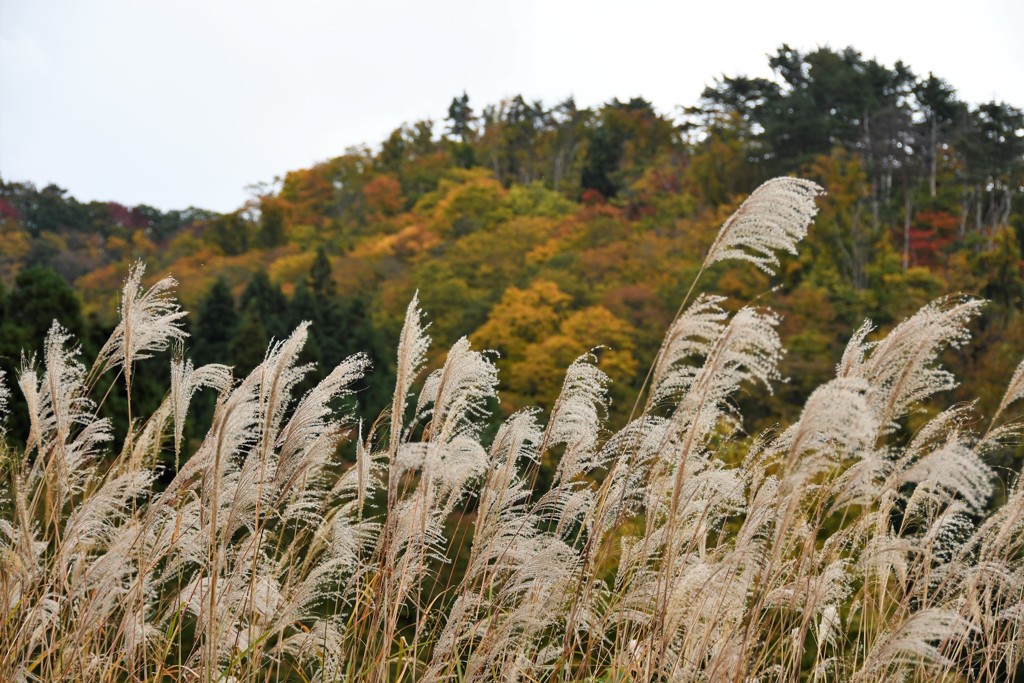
{"x":215,"y":325}
{"x":460,"y":128}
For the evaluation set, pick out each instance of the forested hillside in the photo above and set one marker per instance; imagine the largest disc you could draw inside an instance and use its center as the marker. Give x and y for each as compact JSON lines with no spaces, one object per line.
{"x":541,"y":229}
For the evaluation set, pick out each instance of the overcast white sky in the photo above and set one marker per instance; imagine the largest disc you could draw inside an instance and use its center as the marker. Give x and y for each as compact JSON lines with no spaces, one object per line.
{"x":180,"y":103}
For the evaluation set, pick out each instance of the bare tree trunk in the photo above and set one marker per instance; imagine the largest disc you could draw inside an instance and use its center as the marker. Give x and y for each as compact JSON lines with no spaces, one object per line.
{"x":935,"y":155}
{"x":977,"y":207}
{"x":1004,"y":219}
{"x":908,"y":207}
{"x":993,"y":215}
{"x":965,"y":207}
{"x":874,"y":205}
{"x":858,"y":248}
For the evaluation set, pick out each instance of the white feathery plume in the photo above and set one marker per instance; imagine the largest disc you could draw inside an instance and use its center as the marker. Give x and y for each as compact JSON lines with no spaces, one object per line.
{"x":5,"y":395}
{"x":150,"y":321}
{"x":351,"y":539}
{"x":457,"y":395}
{"x":532,"y":599}
{"x":691,"y":335}
{"x":300,"y":487}
{"x":836,"y":423}
{"x":762,"y":510}
{"x":277,"y":375}
{"x":884,"y":554}
{"x":56,"y":401}
{"x":946,"y":533}
{"x":749,"y":349}
{"x":577,"y":418}
{"x":697,"y":595}
{"x":828,"y":627}
{"x":185,"y":381}
{"x":35,"y":402}
{"x":271,"y":383}
{"x":323,"y":643}
{"x":64,"y":426}
{"x":500,"y":531}
{"x":101,"y":584}
{"x":232,"y":433}
{"x":297,"y":600}
{"x":364,"y":476}
{"x":901,"y":368}
{"x":936,"y":431}
{"x":94,"y":522}
{"x":449,"y":456}
{"x":856,"y":352}
{"x":773,"y":218}
{"x":954,"y":468}
{"x":1012,"y":430}
{"x":813,"y":591}
{"x":147,"y":439}
{"x":458,"y":392}
{"x":309,"y":419}
{"x":645,"y":438}
{"x":1001,"y":534}
{"x":917,"y":639}
{"x":517,"y":440}
{"x":412,"y":349}
{"x":836,"y":417}
{"x":418,"y":532}
{"x":1014,"y":391}
{"x":137,"y":634}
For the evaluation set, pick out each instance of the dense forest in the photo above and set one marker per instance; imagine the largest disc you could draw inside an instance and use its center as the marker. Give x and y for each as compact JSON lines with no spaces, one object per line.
{"x":539,"y":229}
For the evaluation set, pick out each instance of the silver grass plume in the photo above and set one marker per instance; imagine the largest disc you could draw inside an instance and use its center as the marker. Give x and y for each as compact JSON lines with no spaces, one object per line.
{"x":942,"y":462}
{"x":577,"y":418}
{"x":365,"y":475}
{"x":186,"y":380}
{"x":277,"y":375}
{"x":691,"y":335}
{"x":272,"y":383}
{"x":917,"y":639}
{"x":146,"y":440}
{"x":500,"y":532}
{"x":310,"y":419}
{"x":1011,"y":430}
{"x":901,"y":368}
{"x":150,"y":321}
{"x":772,"y":219}
{"x":457,"y":395}
{"x":835,"y":426}
{"x":449,"y":456}
{"x":836,"y":423}
{"x":748,"y":349}
{"x":5,"y":395}
{"x":465,"y":383}
{"x":413,"y":343}
{"x":64,"y":427}
{"x":306,"y":457}
{"x":1014,"y":392}
{"x":836,"y":416}
{"x":504,"y":489}
{"x":644,"y":439}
